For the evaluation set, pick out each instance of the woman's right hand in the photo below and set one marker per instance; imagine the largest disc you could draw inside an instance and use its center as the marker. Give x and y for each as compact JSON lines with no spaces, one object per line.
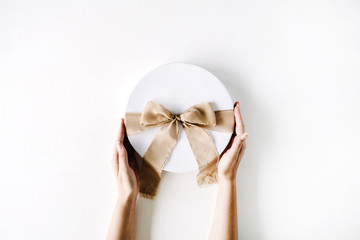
{"x":234,"y":151}
{"x":225,"y":225}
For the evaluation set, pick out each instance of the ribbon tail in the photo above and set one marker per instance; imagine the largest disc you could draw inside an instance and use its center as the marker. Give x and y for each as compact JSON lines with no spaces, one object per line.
{"x":155,"y":158}
{"x":133,"y":126}
{"x":225,"y":121}
{"x":205,"y":153}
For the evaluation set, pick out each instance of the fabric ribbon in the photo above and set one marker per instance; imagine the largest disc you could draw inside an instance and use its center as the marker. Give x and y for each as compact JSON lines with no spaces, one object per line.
{"x":194,"y":120}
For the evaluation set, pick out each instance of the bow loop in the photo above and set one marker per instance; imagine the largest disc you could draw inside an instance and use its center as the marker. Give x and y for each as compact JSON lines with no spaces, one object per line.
{"x":155,"y":114}
{"x":200,"y":114}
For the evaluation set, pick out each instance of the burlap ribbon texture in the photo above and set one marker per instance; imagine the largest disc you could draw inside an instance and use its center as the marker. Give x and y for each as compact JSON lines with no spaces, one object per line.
{"x":194,"y":121}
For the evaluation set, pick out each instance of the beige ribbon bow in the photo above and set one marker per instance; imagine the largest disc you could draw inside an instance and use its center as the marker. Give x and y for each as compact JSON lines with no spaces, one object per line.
{"x":194,"y":120}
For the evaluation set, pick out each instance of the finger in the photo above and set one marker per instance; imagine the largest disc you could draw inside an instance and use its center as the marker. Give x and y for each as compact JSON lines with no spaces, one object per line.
{"x":120,"y":135}
{"x":239,"y":139}
{"x":123,"y":158}
{"x":229,"y":145}
{"x":236,"y":146}
{"x":239,"y":124}
{"x":119,"y":140}
{"x":244,"y":136}
{"x":115,"y":162}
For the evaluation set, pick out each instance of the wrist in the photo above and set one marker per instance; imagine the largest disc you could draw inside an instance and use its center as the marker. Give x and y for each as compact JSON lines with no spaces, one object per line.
{"x":227,"y":182}
{"x":127,"y":196}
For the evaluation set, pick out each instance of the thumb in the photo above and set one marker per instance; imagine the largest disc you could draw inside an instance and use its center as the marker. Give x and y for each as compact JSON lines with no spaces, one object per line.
{"x":122,"y":153}
{"x":238,"y":140}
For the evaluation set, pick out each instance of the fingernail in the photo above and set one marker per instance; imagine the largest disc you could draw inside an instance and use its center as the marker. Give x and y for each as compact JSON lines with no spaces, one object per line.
{"x":244,"y":136}
{"x":236,"y":104}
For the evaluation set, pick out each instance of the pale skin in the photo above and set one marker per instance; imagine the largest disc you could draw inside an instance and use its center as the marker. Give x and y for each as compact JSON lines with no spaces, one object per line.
{"x":224,"y":226}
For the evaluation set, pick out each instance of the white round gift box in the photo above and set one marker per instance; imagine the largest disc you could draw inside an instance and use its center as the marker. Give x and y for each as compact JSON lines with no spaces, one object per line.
{"x":178,"y":86}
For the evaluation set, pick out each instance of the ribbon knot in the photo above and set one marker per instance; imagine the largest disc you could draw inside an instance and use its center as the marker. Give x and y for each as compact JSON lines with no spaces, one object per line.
{"x":194,"y":120}
{"x":178,"y":118}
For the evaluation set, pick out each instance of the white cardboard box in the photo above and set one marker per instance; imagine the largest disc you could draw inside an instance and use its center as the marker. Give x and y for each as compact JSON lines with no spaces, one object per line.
{"x":177,"y":86}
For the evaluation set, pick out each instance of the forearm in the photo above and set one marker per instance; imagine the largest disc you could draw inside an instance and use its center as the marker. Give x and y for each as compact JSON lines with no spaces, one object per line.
{"x":225,"y":226}
{"x":122,"y":224}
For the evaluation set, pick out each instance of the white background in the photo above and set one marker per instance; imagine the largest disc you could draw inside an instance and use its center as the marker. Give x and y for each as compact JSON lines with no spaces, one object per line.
{"x":67,"y":69}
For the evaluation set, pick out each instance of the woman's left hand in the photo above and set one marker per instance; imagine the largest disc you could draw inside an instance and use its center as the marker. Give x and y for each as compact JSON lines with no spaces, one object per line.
{"x":124,"y":165}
